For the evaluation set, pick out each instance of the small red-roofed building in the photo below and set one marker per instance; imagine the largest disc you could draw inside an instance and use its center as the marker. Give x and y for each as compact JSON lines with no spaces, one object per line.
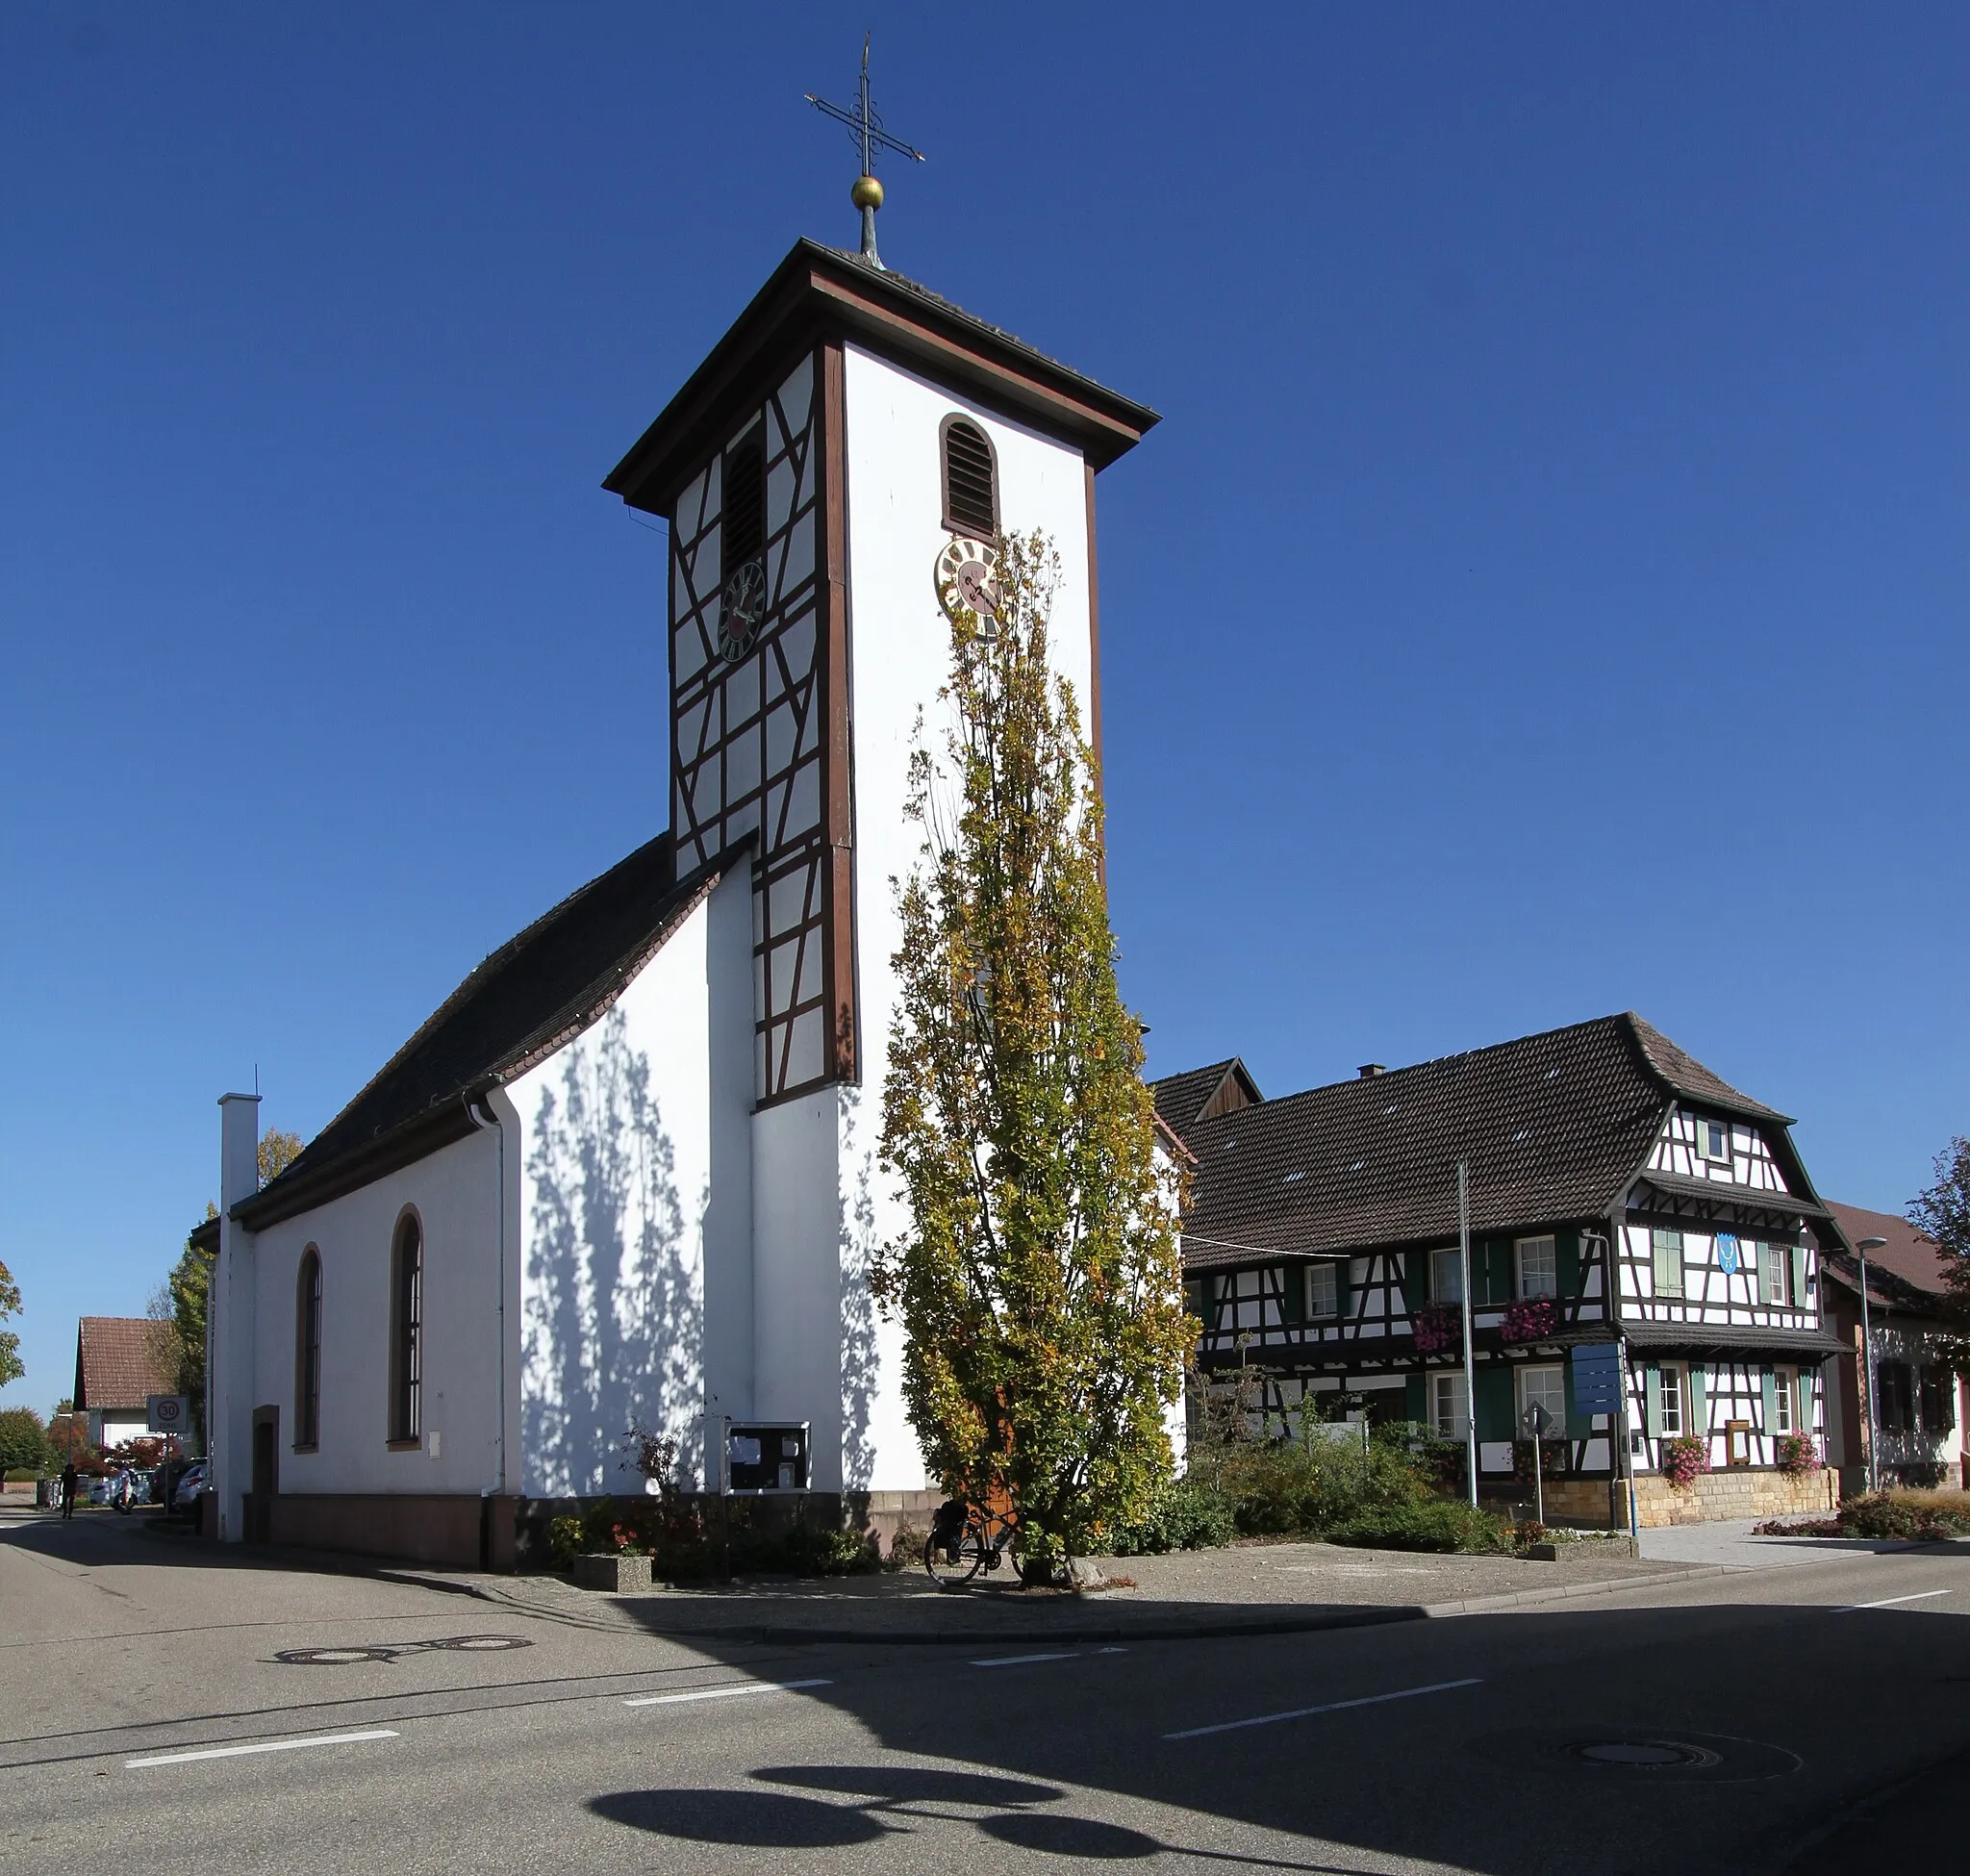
{"x":1919,"y":1402}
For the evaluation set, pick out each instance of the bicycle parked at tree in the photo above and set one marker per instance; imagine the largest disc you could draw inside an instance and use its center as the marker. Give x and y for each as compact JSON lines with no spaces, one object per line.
{"x":966,"y":1539}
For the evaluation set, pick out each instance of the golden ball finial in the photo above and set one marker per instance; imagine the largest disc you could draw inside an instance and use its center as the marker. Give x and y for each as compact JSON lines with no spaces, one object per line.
{"x":866,"y":193}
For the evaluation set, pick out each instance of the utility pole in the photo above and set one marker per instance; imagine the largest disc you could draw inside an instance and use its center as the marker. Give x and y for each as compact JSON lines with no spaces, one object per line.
{"x":1464,"y":1313}
{"x":1866,"y":1245}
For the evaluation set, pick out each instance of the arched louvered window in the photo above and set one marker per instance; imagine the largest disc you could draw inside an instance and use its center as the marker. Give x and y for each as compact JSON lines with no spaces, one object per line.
{"x":971,"y":479}
{"x":407,"y":1333}
{"x":742,"y":503}
{"x":307,"y":1351}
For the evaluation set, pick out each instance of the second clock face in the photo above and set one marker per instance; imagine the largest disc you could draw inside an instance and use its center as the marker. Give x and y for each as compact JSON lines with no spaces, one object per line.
{"x":966,"y":578}
{"x":744,"y":607}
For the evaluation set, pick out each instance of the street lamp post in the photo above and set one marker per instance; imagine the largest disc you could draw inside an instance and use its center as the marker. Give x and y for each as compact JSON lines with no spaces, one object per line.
{"x":1866,"y":1245}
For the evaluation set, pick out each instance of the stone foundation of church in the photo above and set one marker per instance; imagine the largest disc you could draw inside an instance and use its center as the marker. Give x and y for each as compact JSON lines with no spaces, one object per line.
{"x":447,"y":1530}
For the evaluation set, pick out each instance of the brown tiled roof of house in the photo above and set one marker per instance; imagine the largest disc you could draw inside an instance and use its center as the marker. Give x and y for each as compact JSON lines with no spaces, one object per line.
{"x":121,"y":1360}
{"x":1181,"y":1098}
{"x":1553,"y":1128}
{"x":1906,"y":1270}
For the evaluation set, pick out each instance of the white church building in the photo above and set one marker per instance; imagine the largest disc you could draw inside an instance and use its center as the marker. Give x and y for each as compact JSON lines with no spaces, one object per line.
{"x":626,"y":1174}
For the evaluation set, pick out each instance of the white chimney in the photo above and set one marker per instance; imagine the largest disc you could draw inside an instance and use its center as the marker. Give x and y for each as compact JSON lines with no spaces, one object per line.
{"x":230,"y":1379}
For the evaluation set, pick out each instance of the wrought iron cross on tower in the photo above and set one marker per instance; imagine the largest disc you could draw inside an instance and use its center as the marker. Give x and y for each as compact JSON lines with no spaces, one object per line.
{"x":866,"y":128}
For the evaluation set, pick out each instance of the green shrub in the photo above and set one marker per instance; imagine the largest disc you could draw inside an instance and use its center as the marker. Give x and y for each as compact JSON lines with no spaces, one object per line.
{"x":1186,"y":1515}
{"x":1282,"y":1486}
{"x":906,"y":1548}
{"x":1888,"y":1515}
{"x":1438,"y":1524}
{"x":564,"y":1542}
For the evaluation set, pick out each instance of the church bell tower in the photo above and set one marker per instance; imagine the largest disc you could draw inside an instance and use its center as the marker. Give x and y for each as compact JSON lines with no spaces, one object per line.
{"x":852,"y":442}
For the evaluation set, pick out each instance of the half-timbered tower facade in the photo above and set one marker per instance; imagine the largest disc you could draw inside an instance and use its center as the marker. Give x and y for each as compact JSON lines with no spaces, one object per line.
{"x":1619,"y":1193}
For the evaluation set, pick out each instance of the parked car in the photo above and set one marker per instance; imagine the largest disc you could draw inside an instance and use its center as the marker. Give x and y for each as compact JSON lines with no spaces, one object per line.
{"x":185,"y":1497}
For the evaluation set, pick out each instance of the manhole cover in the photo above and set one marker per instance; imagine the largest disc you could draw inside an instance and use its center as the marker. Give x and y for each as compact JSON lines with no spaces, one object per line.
{"x":346,"y":1656}
{"x":1641,"y":1755}
{"x":1669,"y":1758}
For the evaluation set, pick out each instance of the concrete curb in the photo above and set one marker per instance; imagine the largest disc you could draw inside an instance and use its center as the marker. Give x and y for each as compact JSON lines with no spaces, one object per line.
{"x":1327,"y":1618}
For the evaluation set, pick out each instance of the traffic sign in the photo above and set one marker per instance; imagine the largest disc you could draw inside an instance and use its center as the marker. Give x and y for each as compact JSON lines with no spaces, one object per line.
{"x":169,"y":1413}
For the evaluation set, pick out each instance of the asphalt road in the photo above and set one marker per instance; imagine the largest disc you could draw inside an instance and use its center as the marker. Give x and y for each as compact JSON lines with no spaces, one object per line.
{"x":1807,"y":1718}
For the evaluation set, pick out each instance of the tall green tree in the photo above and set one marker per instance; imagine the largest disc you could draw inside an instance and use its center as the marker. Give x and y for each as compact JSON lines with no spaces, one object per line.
{"x":23,"y":1441}
{"x":1943,"y":1210}
{"x":1038,"y":1279}
{"x":12,"y":1367}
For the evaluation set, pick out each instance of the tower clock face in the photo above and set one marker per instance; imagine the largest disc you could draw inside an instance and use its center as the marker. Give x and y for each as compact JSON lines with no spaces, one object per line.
{"x":744,"y":607}
{"x":967,"y":577}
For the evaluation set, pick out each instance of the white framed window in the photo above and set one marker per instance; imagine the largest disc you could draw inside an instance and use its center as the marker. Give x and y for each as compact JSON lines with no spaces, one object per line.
{"x":1672,"y":1415}
{"x":1774,"y":1274}
{"x":1323,"y":1291}
{"x":1543,"y":1387}
{"x":1538,"y":1267}
{"x":1447,"y":1275}
{"x":1666,"y":1249}
{"x":1786,"y":1399}
{"x":1713,"y":1141}
{"x":1449,"y":1407}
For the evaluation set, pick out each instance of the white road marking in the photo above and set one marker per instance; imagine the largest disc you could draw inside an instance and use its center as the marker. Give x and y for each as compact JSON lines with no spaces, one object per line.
{"x":1331,"y":1706}
{"x":1111,"y":1651}
{"x":1889,"y":1602}
{"x":1019,"y":1661}
{"x":270,"y":1745}
{"x":723,"y":1693}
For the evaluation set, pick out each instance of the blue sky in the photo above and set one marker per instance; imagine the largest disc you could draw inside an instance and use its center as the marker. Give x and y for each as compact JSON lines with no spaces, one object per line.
{"x":1545,"y":595}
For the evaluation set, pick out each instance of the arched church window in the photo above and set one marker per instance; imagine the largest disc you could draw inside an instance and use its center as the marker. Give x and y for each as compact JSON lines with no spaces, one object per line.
{"x":971,"y":479}
{"x":307,"y":1351}
{"x":407,"y":1333}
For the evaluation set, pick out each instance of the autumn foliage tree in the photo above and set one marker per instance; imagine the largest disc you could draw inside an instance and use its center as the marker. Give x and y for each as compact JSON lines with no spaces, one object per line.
{"x":1943,"y":1210}
{"x":1038,"y":1279}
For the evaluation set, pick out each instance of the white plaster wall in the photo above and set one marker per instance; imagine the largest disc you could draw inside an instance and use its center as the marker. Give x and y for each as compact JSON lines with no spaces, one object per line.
{"x":455,"y":1192}
{"x":900,"y":654}
{"x":635,"y":1207}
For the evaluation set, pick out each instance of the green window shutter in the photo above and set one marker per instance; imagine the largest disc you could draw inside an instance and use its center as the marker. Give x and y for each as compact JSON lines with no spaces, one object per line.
{"x":1342,"y":1306}
{"x":1415,"y":1279}
{"x":1798,"y":1277}
{"x":1651,"y":1382}
{"x":1771,"y":1381}
{"x":1567,"y":1256}
{"x":1418,"y":1388}
{"x":1578,"y":1424}
{"x":1491,"y":1407}
{"x":1292,"y":1294}
{"x":1498,"y":1273}
{"x":1699,"y":1404}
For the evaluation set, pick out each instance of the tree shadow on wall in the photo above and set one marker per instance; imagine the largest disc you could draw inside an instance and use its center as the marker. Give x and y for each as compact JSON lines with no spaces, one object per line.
{"x":614,"y":1317}
{"x":858,"y":1247}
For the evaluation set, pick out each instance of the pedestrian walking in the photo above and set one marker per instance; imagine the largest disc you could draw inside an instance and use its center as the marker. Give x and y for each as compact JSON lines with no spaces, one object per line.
{"x":69,"y":1479}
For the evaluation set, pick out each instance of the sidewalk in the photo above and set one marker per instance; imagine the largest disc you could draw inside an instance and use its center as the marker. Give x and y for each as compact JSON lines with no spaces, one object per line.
{"x":1248,"y":1590}
{"x":1728,"y":1542}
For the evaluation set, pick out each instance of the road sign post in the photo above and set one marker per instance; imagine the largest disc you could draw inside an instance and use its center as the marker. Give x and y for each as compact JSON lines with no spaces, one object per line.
{"x":1535,"y":1420}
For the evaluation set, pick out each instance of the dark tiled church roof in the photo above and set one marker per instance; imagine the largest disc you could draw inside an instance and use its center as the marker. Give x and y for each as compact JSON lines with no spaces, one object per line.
{"x":536,"y":992}
{"x":1554,"y":1127}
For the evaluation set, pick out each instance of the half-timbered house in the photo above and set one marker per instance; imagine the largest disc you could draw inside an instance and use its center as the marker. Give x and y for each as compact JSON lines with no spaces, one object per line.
{"x":1619,"y":1193}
